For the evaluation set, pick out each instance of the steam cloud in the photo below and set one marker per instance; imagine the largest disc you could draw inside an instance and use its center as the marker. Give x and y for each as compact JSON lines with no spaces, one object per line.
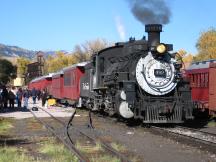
{"x":120,"y":28}
{"x":150,"y":11}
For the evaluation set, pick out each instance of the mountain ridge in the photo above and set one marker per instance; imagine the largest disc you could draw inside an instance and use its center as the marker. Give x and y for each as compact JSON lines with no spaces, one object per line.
{"x":10,"y":51}
{"x":15,"y":51}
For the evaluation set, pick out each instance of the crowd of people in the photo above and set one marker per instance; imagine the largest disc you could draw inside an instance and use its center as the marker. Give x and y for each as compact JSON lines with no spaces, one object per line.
{"x":9,"y":96}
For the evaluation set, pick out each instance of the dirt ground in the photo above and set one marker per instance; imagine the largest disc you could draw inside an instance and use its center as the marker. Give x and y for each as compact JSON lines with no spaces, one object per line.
{"x":148,"y":147}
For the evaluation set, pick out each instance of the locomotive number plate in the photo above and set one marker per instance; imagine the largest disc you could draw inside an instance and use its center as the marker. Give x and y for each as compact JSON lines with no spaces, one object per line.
{"x":160,"y":73}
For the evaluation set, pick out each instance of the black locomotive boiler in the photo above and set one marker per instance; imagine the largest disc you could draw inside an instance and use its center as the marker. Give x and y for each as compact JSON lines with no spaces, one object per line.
{"x":138,"y":79}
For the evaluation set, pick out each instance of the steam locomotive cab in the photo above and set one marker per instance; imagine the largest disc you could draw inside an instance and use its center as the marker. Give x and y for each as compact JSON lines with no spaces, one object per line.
{"x":138,"y":79}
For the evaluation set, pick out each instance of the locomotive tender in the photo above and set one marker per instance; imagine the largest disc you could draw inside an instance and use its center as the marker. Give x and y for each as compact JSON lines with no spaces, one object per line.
{"x":137,"y":79}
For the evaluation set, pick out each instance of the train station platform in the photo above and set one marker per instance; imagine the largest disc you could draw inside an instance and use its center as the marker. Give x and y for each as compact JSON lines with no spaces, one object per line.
{"x":21,"y":113}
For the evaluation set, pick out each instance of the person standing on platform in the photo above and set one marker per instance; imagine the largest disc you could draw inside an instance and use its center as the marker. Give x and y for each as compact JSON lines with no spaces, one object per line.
{"x":34,"y":95}
{"x":12,"y":97}
{"x":19,"y":97}
{"x":38,"y":94}
{"x":1,"y":100}
{"x":44,"y":97}
{"x":4,"y":96}
{"x":25,"y":98}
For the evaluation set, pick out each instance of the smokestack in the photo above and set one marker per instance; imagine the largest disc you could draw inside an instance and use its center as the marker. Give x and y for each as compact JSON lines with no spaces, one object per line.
{"x":153,"y":31}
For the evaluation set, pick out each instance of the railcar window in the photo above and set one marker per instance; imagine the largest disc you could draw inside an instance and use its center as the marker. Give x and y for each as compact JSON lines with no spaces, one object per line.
{"x":102,"y":64}
{"x":202,"y":80}
{"x":198,"y":80}
{"x":94,"y":60}
{"x":58,"y":84}
{"x":192,"y":80}
{"x":195,"y":80}
{"x":67,"y":79}
{"x":73,"y":78}
{"x":206,"y":79}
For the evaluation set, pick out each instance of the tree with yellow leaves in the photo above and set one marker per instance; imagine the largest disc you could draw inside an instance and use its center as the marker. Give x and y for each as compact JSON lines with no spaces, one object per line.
{"x":82,"y":52}
{"x":185,"y":57}
{"x":22,"y":63}
{"x":206,"y":45}
{"x":58,"y":61}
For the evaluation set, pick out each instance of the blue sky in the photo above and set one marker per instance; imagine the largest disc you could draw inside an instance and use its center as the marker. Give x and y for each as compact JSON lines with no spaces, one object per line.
{"x":62,"y":24}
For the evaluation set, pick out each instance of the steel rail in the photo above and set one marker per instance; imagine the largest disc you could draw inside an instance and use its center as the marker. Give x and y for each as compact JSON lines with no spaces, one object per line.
{"x":187,"y":136}
{"x":60,"y":121}
{"x":71,"y":147}
{"x":197,"y":130}
{"x":103,"y":144}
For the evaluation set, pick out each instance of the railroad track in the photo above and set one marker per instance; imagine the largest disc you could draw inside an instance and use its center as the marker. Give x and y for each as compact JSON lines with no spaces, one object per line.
{"x":195,"y":134}
{"x":71,"y":146}
{"x":193,"y":129}
{"x":189,"y":136}
{"x":198,"y":135}
{"x":201,"y":138}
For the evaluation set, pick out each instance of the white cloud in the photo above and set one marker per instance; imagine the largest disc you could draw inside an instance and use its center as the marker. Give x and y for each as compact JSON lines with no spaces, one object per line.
{"x":120,"y":28}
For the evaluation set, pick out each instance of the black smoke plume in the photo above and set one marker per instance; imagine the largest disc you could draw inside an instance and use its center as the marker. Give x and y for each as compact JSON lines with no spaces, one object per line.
{"x":150,"y":11}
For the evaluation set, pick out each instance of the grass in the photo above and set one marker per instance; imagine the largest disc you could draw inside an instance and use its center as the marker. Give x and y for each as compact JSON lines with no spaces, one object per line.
{"x":51,"y":150}
{"x":122,"y":149}
{"x":96,"y":153}
{"x":5,"y":125}
{"x":11,"y":154}
{"x":118,"y":147}
{"x":34,"y":124}
{"x":57,"y":152}
{"x":105,"y":158}
{"x":88,"y":149}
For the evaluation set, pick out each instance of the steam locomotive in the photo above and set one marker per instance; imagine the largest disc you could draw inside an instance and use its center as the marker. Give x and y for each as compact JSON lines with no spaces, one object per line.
{"x":138,"y":79}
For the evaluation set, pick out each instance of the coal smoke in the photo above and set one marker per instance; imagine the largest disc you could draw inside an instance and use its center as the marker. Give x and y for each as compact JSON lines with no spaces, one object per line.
{"x":150,"y":11}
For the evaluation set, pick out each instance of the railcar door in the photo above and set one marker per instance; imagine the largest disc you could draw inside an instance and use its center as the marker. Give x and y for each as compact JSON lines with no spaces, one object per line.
{"x":212,"y":88}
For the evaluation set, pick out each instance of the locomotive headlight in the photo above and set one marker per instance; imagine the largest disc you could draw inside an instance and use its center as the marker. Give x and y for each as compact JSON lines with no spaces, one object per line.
{"x":161,"y":48}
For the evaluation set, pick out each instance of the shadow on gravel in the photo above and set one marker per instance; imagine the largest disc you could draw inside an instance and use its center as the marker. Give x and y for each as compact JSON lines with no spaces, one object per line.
{"x":9,"y":141}
{"x":197,"y":123}
{"x":9,"y":110}
{"x":133,"y":123}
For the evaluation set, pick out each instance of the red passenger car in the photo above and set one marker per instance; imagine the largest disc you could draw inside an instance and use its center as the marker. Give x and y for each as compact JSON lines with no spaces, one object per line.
{"x":202,"y":77}
{"x":41,"y":83}
{"x":57,"y":85}
{"x":71,"y":86}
